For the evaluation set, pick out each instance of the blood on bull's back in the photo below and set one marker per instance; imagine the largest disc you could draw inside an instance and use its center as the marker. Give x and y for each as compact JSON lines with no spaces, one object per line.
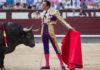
{"x":15,"y":35}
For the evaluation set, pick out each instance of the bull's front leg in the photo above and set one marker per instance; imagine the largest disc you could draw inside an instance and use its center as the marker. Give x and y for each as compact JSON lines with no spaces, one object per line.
{"x":2,"y":59}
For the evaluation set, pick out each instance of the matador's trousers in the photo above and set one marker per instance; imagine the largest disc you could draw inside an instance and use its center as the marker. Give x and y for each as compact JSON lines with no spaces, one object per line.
{"x":45,"y":38}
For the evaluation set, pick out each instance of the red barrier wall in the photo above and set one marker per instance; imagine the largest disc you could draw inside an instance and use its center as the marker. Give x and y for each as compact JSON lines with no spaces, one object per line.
{"x":86,"y":25}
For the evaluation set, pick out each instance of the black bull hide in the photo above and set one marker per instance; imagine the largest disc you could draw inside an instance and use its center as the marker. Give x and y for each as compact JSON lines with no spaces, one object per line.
{"x":15,"y":36}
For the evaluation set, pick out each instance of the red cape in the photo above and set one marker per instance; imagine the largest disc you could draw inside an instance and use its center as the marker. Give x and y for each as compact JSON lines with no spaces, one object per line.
{"x":71,"y":50}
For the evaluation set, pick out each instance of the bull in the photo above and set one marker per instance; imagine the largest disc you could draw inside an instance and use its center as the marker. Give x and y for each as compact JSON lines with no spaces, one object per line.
{"x":16,"y":34}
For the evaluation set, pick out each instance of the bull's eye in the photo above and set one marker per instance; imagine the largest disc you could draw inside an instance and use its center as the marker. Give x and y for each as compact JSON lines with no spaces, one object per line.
{"x":28,"y":35}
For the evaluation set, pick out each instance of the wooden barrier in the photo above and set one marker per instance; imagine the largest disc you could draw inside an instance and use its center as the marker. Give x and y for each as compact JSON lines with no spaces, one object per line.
{"x":89,"y":25}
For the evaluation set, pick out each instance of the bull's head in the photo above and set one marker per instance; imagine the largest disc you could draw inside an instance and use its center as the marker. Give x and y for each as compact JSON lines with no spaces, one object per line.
{"x":28,"y":37}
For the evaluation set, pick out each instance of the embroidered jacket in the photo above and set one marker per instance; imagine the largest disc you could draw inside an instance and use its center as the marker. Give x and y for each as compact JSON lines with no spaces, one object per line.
{"x":50,"y":17}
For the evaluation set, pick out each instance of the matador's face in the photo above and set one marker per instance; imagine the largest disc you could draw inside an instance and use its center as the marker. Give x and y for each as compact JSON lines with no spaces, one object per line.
{"x":44,"y":6}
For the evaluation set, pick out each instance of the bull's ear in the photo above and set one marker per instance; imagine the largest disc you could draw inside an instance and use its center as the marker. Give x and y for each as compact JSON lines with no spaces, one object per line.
{"x":27,"y":29}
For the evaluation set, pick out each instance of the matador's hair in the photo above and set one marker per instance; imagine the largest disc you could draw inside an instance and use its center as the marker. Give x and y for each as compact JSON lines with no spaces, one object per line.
{"x":48,"y":3}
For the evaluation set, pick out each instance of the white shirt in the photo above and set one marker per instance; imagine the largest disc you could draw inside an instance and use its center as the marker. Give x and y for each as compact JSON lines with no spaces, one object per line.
{"x":21,"y":1}
{"x":2,"y":1}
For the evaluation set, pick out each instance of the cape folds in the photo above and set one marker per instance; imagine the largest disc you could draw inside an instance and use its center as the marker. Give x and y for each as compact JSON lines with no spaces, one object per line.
{"x":71,"y":50}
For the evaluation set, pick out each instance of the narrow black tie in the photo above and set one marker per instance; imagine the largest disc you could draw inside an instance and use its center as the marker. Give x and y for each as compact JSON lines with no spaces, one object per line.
{"x":44,"y":16}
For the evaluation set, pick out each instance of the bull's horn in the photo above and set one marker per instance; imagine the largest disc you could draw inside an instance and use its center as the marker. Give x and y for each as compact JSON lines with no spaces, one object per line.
{"x":36,"y":29}
{"x":27,"y":29}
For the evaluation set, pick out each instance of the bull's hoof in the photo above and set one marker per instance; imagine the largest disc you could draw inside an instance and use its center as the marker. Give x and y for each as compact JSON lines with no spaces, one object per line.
{"x":2,"y":68}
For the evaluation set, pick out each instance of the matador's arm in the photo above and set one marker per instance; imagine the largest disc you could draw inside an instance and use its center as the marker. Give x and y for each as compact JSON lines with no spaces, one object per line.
{"x":57,"y":14}
{"x":36,"y":15}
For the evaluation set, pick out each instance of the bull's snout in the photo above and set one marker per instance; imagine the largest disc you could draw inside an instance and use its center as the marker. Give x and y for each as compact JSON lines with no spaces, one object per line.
{"x":32,"y":44}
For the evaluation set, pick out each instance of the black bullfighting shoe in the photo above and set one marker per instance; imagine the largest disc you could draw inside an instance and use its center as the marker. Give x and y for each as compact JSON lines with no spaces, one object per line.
{"x":63,"y":68}
{"x":2,"y":68}
{"x":45,"y":67}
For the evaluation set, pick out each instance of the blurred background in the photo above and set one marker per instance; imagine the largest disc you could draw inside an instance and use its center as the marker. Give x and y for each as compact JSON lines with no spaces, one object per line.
{"x":57,"y":4}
